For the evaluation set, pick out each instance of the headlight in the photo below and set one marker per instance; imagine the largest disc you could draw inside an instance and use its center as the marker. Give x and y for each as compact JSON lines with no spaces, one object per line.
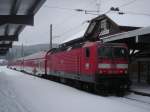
{"x":125,"y":71}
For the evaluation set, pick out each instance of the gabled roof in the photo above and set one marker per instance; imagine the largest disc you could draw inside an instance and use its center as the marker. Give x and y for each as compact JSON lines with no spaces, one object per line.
{"x":130,"y":20}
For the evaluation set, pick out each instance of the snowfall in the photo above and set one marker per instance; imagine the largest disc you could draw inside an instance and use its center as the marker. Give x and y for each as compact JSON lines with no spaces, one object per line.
{"x":20,"y":92}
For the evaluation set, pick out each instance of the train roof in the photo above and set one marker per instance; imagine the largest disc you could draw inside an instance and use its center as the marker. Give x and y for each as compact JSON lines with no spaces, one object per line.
{"x":114,"y":44}
{"x":40,"y":54}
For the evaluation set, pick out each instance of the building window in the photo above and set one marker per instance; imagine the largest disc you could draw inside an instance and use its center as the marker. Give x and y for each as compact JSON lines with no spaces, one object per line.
{"x":91,"y":28}
{"x":104,"y":27}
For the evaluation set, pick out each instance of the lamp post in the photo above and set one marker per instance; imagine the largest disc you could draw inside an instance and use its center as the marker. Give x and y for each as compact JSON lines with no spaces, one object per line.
{"x":51,"y":28}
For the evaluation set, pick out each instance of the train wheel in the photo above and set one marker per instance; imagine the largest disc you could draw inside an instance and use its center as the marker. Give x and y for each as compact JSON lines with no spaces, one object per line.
{"x":120,"y":92}
{"x":101,"y":90}
{"x":85,"y":86}
{"x":88,"y":87}
{"x":63,"y":80}
{"x":44,"y":76}
{"x":77,"y":84}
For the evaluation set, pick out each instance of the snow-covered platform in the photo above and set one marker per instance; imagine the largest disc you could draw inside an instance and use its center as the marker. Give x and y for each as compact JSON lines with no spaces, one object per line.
{"x":139,"y":88}
{"x":24,"y":93}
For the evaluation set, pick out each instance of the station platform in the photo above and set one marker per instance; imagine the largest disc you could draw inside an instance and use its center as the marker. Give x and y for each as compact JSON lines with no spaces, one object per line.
{"x":141,"y":89}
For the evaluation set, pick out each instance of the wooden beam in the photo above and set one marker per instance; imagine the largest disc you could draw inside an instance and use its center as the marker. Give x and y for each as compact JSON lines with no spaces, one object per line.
{"x":17,"y":19}
{"x":15,"y":7}
{"x":7,"y":30}
{"x":3,"y":50}
{"x":3,"y":53}
{"x":9,"y":38}
{"x":19,"y":29}
{"x":6,"y":45}
{"x":35,"y":7}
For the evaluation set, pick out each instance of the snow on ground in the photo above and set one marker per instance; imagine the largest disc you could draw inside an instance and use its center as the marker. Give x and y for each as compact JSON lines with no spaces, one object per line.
{"x":24,"y":93}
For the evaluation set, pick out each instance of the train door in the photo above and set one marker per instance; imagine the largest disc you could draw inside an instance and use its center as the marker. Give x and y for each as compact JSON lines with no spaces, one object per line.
{"x":40,"y":67}
{"x":86,"y":55}
{"x":79,"y":65}
{"x":48,"y":65}
{"x":34,"y":67}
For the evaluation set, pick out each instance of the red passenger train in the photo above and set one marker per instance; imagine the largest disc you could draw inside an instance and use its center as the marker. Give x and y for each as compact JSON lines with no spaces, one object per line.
{"x":92,"y":65}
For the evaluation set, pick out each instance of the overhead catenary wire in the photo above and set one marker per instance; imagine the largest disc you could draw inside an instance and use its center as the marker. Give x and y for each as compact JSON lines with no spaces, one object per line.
{"x":134,"y":13}
{"x":128,"y":3}
{"x":64,"y":8}
{"x":64,"y":20}
{"x":68,"y":9}
{"x":129,"y":12}
{"x":71,"y":29}
{"x":56,"y":7}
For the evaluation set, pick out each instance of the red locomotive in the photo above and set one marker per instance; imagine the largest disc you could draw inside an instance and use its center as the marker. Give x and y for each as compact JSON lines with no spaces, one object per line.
{"x":92,"y":65}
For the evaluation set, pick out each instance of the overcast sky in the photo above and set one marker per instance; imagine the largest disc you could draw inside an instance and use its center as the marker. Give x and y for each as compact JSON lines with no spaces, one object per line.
{"x":67,"y":22}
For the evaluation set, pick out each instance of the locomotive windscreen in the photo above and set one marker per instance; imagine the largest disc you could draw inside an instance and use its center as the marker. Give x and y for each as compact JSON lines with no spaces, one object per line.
{"x":112,"y":52}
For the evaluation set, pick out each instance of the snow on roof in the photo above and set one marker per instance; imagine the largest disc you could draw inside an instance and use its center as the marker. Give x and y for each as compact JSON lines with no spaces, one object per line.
{"x":130,"y":19}
{"x":79,"y":34}
{"x":40,"y":54}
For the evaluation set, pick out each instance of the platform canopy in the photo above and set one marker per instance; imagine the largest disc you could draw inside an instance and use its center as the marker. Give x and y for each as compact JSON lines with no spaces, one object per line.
{"x":137,"y":39}
{"x":14,"y":16}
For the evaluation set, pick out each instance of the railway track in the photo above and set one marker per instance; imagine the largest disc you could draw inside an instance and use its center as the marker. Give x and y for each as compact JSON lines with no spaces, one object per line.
{"x":137,"y":100}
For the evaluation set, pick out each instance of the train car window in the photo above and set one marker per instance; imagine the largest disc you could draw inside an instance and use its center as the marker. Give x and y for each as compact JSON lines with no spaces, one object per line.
{"x":87,"y":52}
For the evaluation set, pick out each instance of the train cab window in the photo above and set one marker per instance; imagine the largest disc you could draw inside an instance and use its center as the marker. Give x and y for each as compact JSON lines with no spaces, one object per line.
{"x":112,"y":52}
{"x":120,"y":52}
{"x":87,"y":52}
{"x":105,"y":52}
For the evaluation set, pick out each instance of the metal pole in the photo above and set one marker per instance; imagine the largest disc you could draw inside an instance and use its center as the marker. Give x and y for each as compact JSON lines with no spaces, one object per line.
{"x":51,"y":28}
{"x":98,"y":3}
{"x":22,"y":51}
{"x":139,"y":72}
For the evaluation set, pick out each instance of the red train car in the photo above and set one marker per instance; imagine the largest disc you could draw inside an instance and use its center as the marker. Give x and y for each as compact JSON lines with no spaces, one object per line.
{"x":35,"y":64}
{"x":92,"y":65}
{"x":16,"y":64}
